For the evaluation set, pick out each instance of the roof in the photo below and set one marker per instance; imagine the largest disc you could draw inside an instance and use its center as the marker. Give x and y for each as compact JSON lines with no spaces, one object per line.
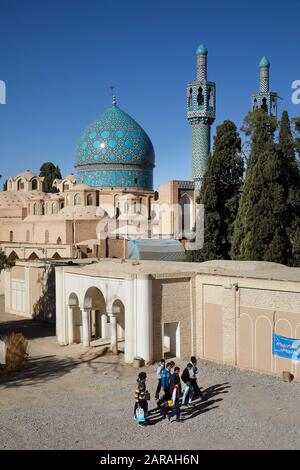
{"x":264,"y":62}
{"x":202,"y":50}
{"x":27,"y":175}
{"x":246,"y":269}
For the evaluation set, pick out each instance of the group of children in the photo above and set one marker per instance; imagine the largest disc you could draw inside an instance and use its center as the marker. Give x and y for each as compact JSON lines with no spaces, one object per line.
{"x":169,"y":382}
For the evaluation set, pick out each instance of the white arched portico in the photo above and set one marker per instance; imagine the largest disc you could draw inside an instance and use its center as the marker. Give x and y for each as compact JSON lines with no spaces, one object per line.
{"x":124,"y":305}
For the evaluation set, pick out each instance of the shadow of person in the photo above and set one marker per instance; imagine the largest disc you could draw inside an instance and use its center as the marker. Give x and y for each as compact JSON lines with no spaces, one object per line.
{"x":214,"y":390}
{"x":199,"y":408}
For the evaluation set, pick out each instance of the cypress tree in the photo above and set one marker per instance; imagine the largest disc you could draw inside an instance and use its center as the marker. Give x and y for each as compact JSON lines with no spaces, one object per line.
{"x":220,"y":193}
{"x":51,"y":172}
{"x":291,"y":181}
{"x":260,"y":231}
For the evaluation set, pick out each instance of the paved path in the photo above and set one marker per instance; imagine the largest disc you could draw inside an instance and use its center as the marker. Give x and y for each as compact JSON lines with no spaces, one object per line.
{"x":64,"y":402}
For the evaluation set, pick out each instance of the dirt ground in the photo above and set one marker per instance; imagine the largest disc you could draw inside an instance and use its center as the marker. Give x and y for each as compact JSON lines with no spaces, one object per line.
{"x":67,"y":401}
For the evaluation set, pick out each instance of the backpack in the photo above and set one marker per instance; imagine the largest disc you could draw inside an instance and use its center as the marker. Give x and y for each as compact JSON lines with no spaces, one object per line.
{"x":185,"y":377}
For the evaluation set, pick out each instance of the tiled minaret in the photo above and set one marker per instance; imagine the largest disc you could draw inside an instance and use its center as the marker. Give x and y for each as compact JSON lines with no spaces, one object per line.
{"x":201,"y":113}
{"x":265,"y":98}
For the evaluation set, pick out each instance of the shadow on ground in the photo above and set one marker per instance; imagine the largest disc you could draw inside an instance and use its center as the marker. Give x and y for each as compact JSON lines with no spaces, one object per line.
{"x":39,"y":370}
{"x":31,"y":329}
{"x":199,"y":406}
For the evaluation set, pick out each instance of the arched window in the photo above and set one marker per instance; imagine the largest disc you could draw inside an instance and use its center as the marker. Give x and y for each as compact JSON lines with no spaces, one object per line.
{"x":66,"y":186}
{"x":47,"y":236}
{"x":264,"y":105}
{"x":209,"y":97}
{"x":77,"y":200}
{"x":89,"y":200}
{"x":190,"y":101}
{"x":34,"y":184}
{"x":62,"y":204}
{"x":11,"y":236}
{"x":27,"y":235}
{"x":255,"y":104}
{"x":35,"y":208}
{"x":20,"y":185}
{"x":58,"y":241}
{"x":42,"y":209}
{"x":54,"y":208}
{"x":200,"y":97}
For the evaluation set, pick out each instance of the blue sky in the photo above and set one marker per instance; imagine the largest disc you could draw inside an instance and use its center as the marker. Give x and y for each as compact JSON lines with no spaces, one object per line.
{"x":59,"y":58}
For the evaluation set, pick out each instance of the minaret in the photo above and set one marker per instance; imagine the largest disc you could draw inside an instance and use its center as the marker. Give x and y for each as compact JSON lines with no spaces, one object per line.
{"x":265,"y":98}
{"x":201,"y":113}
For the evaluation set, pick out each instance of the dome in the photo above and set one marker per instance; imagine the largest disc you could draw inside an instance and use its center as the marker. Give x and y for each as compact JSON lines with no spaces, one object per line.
{"x":202,"y":50}
{"x":264,"y":62}
{"x":114,"y":151}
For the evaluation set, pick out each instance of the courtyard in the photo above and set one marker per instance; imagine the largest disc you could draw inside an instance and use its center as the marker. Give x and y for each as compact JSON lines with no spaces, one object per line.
{"x":71,"y":399}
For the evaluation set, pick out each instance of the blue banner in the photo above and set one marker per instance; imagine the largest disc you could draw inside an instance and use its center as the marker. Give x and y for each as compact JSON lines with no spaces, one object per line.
{"x":286,"y":347}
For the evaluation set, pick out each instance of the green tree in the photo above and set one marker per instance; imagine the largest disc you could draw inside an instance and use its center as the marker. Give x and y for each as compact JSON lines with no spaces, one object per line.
{"x":260,"y":230}
{"x":287,"y":146}
{"x":51,"y":172}
{"x":220,"y":193}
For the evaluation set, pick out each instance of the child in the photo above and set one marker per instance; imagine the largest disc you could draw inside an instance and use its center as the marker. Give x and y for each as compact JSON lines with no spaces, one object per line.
{"x":140,"y":391}
{"x":159,"y":372}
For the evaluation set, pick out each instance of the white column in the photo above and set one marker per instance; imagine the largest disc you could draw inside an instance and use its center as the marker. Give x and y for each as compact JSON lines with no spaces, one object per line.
{"x":144,"y":326}
{"x":70,"y":324}
{"x":103,"y":325}
{"x":85,"y":327}
{"x":130,"y":338}
{"x":113,"y":333}
{"x":60,"y":306}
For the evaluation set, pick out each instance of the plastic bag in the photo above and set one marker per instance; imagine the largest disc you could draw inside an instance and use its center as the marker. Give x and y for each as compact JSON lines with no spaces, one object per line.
{"x":140,"y":414}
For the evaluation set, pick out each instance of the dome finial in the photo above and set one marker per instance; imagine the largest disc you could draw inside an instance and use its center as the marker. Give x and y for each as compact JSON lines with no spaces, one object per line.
{"x":114,"y":98}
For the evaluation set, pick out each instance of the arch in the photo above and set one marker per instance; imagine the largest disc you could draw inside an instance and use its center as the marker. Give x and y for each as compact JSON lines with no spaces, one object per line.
{"x":89,"y":200}
{"x":34,"y":184}
{"x":33,"y":256}
{"x":200,"y":97}
{"x":77,"y":200}
{"x":11,"y":236}
{"x":42,"y":208}
{"x":20,"y":184}
{"x":119,"y":306}
{"x":94,"y":299}
{"x":66,"y":186}
{"x":35,"y":208}
{"x":47,"y":236}
{"x":27,"y":235}
{"x":13,"y":256}
{"x":264,"y":105}
{"x":190,"y":99}
{"x":56,"y":256}
{"x":186,"y":214}
{"x":54,"y":208}
{"x":255,"y":104}
{"x":58,"y":241}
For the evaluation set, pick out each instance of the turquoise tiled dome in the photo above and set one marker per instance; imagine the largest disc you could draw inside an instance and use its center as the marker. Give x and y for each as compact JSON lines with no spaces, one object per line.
{"x":115,"y":148}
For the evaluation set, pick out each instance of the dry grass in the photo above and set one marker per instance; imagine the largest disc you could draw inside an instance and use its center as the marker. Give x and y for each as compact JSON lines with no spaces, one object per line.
{"x":16,"y":353}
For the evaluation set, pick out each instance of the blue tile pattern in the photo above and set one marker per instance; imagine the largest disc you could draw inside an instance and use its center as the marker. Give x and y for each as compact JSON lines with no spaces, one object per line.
{"x":116,"y":139}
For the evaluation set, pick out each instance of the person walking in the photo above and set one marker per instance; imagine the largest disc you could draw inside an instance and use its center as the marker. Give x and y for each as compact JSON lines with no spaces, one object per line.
{"x":193,"y":378}
{"x":188,"y":389}
{"x":159,"y":371}
{"x":176,"y":394}
{"x":140,"y":394}
{"x":165,"y":384}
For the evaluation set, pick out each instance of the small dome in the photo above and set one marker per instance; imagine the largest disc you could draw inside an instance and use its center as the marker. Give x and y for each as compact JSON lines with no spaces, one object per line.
{"x":27,"y":175}
{"x":264,"y":62}
{"x":202,"y":50}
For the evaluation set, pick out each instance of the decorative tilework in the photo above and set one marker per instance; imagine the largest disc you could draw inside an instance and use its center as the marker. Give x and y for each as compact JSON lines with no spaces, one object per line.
{"x":115,"y":137}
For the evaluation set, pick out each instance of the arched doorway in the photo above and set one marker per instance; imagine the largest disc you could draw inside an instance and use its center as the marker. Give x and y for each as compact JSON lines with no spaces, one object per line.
{"x":119,"y":309}
{"x":74,"y":320}
{"x":95,"y":306}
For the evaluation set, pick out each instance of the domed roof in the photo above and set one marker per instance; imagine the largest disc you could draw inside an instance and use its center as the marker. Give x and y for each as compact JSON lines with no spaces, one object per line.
{"x":27,"y":175}
{"x":115,"y":137}
{"x":202,"y":50}
{"x":264,"y":62}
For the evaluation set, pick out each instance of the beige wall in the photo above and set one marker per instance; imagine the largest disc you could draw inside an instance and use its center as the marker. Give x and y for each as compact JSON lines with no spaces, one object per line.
{"x":172,"y":303}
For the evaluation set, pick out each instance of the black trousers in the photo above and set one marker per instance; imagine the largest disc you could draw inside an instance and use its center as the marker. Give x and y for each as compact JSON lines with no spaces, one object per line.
{"x":197,"y":392}
{"x":158,"y":389}
{"x":175,"y":410}
{"x":166,"y":396}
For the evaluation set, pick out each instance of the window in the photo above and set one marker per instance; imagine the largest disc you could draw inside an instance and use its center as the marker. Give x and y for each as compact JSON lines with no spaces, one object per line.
{"x":66,"y":186}
{"x":135,"y":180}
{"x":20,"y":185}
{"x":58,"y":241}
{"x":54,"y":208}
{"x":77,"y":200}
{"x":190,"y":100}
{"x":264,"y":105}
{"x":35,"y":209}
{"x":11,"y":236}
{"x":89,"y":200}
{"x":200,"y":97}
{"x":34,"y":184}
